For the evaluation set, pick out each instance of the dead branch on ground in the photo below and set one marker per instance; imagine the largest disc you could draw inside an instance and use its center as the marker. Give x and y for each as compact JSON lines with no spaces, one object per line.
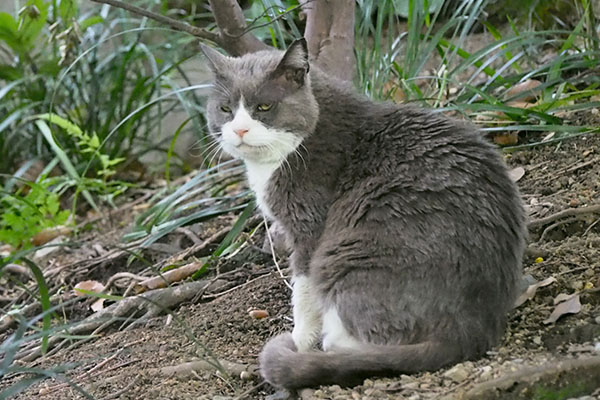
{"x":136,"y":309}
{"x":580,"y":371}
{"x":569,"y":212}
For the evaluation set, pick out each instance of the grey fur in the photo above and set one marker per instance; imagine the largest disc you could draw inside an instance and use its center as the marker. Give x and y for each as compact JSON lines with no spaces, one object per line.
{"x":405,"y":220}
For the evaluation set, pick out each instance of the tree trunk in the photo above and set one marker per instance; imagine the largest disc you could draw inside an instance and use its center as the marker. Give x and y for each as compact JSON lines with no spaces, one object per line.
{"x":330,"y":35}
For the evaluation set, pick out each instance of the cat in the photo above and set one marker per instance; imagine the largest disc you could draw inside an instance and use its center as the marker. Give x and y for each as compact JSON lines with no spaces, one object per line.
{"x":407,"y":232}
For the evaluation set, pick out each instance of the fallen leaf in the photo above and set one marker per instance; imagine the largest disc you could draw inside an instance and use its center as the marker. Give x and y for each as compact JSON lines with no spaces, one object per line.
{"x":259,"y":314}
{"x":571,"y":306}
{"x":90,"y":286}
{"x":548,"y":137}
{"x":98,"y":305}
{"x":516,"y":173}
{"x":49,"y":234}
{"x":562,"y":297}
{"x":506,"y":139}
{"x":526,"y":91}
{"x":530,"y":292}
{"x":539,"y":260}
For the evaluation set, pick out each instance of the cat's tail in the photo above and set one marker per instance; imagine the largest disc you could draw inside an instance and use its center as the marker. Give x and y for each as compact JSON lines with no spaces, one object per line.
{"x":282,"y":366}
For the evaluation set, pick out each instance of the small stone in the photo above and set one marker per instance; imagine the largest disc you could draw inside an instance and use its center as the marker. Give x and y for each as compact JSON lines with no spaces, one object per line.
{"x":404,"y":379}
{"x":486,"y":372}
{"x":335,"y":388}
{"x":577,"y":285}
{"x":355,"y":396}
{"x":590,"y":272}
{"x":458,"y":373}
{"x":380,"y":385}
{"x":537,"y":340}
{"x":411,"y":385}
{"x":368,"y":383}
{"x":245,"y":375}
{"x":319,"y":393}
{"x":597,"y":320}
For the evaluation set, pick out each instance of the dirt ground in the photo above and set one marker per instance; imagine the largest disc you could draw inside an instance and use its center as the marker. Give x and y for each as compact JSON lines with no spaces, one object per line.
{"x":534,"y":358}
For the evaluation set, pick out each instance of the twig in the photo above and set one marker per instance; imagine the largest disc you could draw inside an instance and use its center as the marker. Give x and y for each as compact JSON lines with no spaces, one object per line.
{"x":274,"y":256}
{"x":181,"y":26}
{"x":569,"y":212}
{"x":556,"y":225}
{"x":121,"y":275}
{"x":223,"y":293}
{"x":589,"y":228}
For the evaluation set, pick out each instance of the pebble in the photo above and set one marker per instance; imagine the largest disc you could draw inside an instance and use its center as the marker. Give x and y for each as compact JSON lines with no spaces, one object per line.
{"x":458,"y":373}
{"x":577,"y":285}
{"x":597,"y":320}
{"x":411,"y":385}
{"x":368,"y":383}
{"x":537,"y":340}
{"x":486,"y":372}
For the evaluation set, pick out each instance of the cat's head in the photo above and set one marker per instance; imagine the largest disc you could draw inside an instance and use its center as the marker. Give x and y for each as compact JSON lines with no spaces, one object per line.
{"x":262,"y":106}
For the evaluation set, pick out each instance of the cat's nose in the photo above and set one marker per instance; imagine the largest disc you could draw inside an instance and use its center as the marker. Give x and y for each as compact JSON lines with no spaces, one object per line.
{"x":240,"y":132}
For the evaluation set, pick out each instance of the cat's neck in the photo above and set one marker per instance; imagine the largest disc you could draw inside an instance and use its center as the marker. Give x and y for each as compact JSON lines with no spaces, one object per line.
{"x":258,"y":174}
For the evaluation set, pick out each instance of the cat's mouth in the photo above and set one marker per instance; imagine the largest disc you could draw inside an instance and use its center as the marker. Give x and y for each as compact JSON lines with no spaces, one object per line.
{"x":246,"y":151}
{"x":251,"y":148}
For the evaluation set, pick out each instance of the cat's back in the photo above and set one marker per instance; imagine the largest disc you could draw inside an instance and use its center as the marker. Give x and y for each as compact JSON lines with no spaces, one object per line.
{"x":415,"y":162}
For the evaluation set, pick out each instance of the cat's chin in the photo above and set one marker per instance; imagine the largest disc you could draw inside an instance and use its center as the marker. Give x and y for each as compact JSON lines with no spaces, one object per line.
{"x":246,"y":152}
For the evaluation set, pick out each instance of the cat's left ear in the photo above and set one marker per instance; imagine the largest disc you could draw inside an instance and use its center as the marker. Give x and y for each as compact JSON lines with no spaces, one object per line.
{"x":216,"y":61}
{"x":294,"y":64}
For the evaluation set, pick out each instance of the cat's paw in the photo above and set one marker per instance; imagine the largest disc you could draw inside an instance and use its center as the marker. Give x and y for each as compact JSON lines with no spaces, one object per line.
{"x":275,"y":360}
{"x":305,"y":336}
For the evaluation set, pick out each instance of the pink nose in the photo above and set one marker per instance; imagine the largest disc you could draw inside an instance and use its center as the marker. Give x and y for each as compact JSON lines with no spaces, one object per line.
{"x":240,"y":132}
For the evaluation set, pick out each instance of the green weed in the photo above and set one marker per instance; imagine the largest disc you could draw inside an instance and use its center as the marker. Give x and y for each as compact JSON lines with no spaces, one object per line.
{"x":25,"y":215}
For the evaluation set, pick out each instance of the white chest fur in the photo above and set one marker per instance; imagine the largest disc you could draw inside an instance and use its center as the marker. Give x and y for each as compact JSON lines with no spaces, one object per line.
{"x":259,"y":175}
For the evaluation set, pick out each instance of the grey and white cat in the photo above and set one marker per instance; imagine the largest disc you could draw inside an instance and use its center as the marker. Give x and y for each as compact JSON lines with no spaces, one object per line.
{"x":407,"y":233}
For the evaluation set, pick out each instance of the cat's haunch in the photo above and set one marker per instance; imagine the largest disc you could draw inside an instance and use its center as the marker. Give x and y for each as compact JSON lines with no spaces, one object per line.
{"x":407,"y":232}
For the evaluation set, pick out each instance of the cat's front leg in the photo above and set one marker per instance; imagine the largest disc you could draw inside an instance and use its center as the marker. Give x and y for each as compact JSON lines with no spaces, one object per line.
{"x":307,"y":311}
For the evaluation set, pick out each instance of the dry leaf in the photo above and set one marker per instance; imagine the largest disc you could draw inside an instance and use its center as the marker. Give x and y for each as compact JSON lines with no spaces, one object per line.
{"x":571,"y":306}
{"x":506,"y":139}
{"x":98,"y":305}
{"x":90,"y":286}
{"x":530,"y":292}
{"x":528,"y":90}
{"x":49,"y":234}
{"x":521,"y":104}
{"x":259,"y":314}
{"x":548,"y":136}
{"x":562,"y":297}
{"x":516,"y":173}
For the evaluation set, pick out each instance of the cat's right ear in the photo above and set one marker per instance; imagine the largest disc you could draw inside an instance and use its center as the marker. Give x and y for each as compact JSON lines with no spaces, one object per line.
{"x":294,"y":64}
{"x":216,"y":61}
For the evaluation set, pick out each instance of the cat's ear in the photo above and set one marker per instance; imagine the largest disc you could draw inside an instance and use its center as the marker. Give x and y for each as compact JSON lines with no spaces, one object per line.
{"x":294,"y":64}
{"x":216,"y":61}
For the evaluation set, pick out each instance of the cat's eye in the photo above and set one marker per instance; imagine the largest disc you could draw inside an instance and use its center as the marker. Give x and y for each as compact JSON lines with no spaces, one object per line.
{"x":263,"y":107}
{"x":225,"y":108}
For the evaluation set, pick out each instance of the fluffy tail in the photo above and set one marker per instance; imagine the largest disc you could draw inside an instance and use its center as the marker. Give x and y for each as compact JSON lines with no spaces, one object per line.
{"x":282,"y":366}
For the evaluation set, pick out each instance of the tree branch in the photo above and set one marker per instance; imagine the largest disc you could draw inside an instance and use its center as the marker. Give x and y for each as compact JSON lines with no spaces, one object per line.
{"x":173,"y":23}
{"x":330,"y":35}
{"x":233,"y":36}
